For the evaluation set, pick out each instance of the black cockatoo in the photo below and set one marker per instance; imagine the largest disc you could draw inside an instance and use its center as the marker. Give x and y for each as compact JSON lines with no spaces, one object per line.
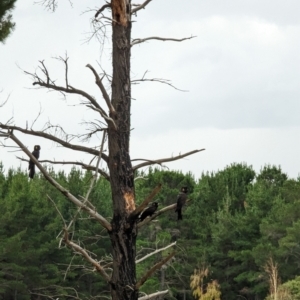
{"x":181,"y":199}
{"x":148,"y":212}
{"x":36,"y":154}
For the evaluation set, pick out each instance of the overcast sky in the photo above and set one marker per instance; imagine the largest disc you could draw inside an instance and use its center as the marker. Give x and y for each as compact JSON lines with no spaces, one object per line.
{"x":241,"y":73}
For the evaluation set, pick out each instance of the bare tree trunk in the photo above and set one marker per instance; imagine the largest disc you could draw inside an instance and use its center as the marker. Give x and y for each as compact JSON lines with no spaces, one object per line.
{"x":123,"y":227}
{"x":124,"y":230}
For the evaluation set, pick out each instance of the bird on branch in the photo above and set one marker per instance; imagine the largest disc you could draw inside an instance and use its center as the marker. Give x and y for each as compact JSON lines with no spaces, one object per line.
{"x":148,"y":212}
{"x":181,"y":199}
{"x":36,"y":154}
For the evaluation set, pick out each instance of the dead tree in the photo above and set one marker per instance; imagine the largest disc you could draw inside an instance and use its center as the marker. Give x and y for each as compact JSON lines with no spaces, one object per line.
{"x":123,"y":227}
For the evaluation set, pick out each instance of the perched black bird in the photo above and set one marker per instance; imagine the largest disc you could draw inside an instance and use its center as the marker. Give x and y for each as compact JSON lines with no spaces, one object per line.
{"x":148,"y":212}
{"x":36,"y":154}
{"x":181,"y":199}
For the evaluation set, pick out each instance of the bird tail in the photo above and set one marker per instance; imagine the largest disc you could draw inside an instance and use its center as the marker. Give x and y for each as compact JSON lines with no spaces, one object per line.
{"x":179,"y":214}
{"x":32,"y":171}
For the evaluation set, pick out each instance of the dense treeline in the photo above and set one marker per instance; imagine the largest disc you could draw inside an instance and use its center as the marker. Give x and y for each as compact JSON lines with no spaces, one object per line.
{"x":239,"y":226}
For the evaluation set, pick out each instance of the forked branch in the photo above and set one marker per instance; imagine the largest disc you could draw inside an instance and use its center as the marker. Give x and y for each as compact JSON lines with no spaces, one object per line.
{"x":139,"y":41}
{"x":85,"y":254}
{"x":47,"y":82}
{"x":102,"y":89}
{"x":162,"y":160}
{"x":105,"y":117}
{"x":152,"y":270}
{"x":65,"y":192}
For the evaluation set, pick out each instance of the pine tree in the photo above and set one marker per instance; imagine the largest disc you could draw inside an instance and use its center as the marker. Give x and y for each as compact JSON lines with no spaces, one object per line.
{"x":6,"y":24}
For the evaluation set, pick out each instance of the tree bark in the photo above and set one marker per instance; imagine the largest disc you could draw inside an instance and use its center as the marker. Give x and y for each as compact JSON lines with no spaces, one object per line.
{"x":124,"y":229}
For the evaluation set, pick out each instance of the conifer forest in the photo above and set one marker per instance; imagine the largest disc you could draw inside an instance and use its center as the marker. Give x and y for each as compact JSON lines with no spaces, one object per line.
{"x":239,"y":228}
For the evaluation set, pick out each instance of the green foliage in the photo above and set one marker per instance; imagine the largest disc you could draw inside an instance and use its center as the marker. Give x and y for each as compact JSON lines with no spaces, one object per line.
{"x":30,"y":260}
{"x":234,"y":222}
{"x":293,"y":288}
{"x":6,"y":24}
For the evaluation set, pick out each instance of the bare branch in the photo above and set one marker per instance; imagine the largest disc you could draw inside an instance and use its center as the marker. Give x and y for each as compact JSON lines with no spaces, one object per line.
{"x":87,"y":202}
{"x":45,"y":71}
{"x":71,"y":90}
{"x":49,"y":4}
{"x":97,"y":165}
{"x":65,"y":61}
{"x":69,"y":266}
{"x":55,"y":139}
{"x":58,"y":211}
{"x":162,"y":160}
{"x":39,"y":114}
{"x":159,"y":80}
{"x":65,"y":192}
{"x":140,"y":177}
{"x":101,"y":9}
{"x":152,"y":270}
{"x":102,"y":89}
{"x":157,"y":213}
{"x":93,"y":127}
{"x":92,"y":182}
{"x":5,"y":101}
{"x":54,"y":294}
{"x":83,"y":252}
{"x":107,"y":119}
{"x":5,"y":135}
{"x":141,"y":6}
{"x":50,"y":84}
{"x":154,"y":252}
{"x":77,"y":163}
{"x":154,"y":295}
{"x":108,"y":77}
{"x":141,"y":207}
{"x":139,"y":41}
